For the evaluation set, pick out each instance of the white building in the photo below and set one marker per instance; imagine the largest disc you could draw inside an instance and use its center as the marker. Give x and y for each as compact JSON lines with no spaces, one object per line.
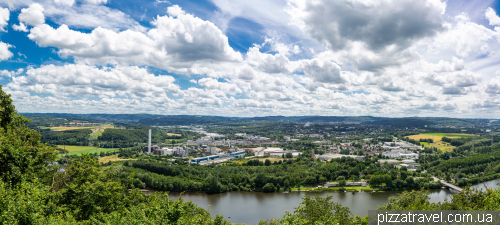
{"x":212,"y":150}
{"x":279,"y":152}
{"x":330,"y":156}
{"x":400,"y":154}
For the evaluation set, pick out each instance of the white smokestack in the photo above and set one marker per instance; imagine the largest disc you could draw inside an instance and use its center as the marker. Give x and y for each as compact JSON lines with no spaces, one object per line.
{"x":149,"y":142}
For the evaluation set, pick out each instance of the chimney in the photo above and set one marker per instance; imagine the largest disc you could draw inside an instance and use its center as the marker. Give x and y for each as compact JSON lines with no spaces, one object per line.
{"x":149,"y":142}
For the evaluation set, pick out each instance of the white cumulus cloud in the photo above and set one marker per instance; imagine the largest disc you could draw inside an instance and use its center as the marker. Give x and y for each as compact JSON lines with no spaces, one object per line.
{"x":4,"y":18}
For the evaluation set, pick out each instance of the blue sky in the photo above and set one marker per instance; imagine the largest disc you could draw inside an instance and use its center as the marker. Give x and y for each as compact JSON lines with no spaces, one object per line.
{"x":240,"y":58}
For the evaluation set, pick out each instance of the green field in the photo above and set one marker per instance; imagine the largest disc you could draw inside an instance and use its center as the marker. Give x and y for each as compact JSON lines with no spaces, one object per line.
{"x":69,"y":128}
{"x":443,"y":146}
{"x":449,"y":135}
{"x":77,"y":150}
{"x":440,"y":145}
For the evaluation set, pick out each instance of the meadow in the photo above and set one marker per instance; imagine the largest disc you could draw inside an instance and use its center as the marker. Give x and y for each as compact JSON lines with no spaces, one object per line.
{"x":441,"y":145}
{"x":77,"y":150}
{"x":111,"y":158}
{"x":437,"y":136}
{"x":68,"y":128}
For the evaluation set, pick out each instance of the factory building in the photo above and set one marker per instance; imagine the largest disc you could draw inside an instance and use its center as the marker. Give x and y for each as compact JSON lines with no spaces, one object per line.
{"x":218,"y":158}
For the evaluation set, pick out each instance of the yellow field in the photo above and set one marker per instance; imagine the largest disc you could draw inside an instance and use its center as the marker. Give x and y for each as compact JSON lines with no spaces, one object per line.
{"x":437,"y":136}
{"x":69,"y":128}
{"x":111,"y":158}
{"x":172,"y":134}
{"x":101,"y":129}
{"x":441,"y":145}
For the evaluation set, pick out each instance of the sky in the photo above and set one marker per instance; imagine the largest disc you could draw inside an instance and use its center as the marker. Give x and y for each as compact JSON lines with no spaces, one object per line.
{"x":389,"y":58}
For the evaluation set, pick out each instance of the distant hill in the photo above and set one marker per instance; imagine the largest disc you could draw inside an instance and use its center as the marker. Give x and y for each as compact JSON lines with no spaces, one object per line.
{"x":169,"y":120}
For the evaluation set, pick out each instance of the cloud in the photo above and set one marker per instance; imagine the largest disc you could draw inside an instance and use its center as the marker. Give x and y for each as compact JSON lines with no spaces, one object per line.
{"x":453,"y":91}
{"x":32,"y":15}
{"x":323,"y":71}
{"x":377,"y":61}
{"x":174,"y":44}
{"x":65,"y":2}
{"x":96,"y":1}
{"x":20,"y":27}
{"x":160,"y":2}
{"x":175,"y":11}
{"x":4,"y":18}
{"x":224,"y":87}
{"x":378,"y":24}
{"x":74,"y":80}
{"x":86,"y":15}
{"x":7,"y":73}
{"x":427,"y":106}
{"x":492,"y":17}
{"x":462,"y":38}
{"x":493,"y":87}
{"x":4,"y":51}
{"x":268,"y":63}
{"x":390,"y":86}
{"x":449,"y":107}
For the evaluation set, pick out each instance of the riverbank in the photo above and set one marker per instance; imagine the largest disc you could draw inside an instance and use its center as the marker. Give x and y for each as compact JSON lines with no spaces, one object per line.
{"x":337,"y":189}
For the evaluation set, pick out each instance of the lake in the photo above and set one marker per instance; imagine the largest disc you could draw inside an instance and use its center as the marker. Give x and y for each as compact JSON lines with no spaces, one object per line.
{"x":251,"y":207}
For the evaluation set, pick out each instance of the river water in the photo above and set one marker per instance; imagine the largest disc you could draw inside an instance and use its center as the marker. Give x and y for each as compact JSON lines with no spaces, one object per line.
{"x":251,"y":207}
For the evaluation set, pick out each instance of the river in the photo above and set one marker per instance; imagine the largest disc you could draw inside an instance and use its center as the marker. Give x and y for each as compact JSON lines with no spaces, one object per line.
{"x":251,"y":207}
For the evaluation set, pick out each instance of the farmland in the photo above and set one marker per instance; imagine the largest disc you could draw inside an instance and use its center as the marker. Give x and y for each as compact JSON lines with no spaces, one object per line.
{"x":77,"y":150}
{"x":111,"y":158}
{"x":437,"y":136}
{"x":68,"y":128}
{"x":441,"y":145}
{"x":97,"y":131}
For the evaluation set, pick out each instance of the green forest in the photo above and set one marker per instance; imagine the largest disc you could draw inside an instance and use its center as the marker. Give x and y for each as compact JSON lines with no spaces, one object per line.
{"x":254,"y":175}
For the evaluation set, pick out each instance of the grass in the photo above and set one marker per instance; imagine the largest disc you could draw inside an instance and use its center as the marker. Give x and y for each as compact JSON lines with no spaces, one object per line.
{"x":450,"y":135}
{"x":435,"y":136}
{"x":111,"y":158}
{"x":77,"y":150}
{"x":441,"y":145}
{"x":348,"y":189}
{"x":172,"y":134}
{"x":69,"y":128}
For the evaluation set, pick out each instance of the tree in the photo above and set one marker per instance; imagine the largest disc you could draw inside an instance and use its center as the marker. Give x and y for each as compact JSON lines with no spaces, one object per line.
{"x":341,"y":180}
{"x":214,"y":186}
{"x":22,"y":156}
{"x":375,"y":180}
{"x":311,"y":180}
{"x":318,"y":210}
{"x":268,"y":162}
{"x":286,"y":183}
{"x":260,"y":180}
{"x":289,"y":155}
{"x":269,"y":187}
